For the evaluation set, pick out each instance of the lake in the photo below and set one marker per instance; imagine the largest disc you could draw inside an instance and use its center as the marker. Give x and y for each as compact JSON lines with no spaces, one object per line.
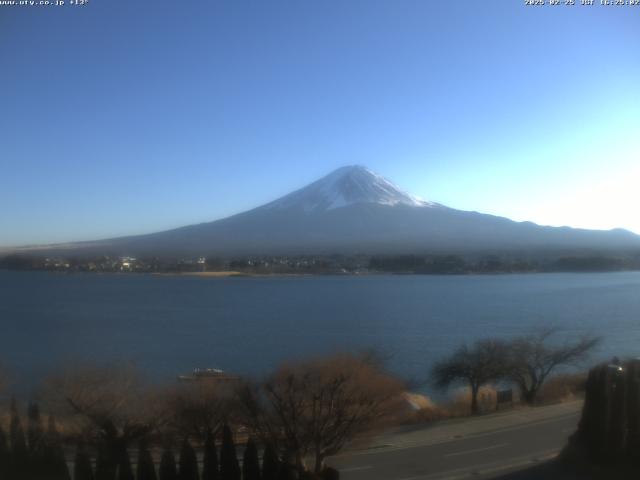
{"x":167,"y":325}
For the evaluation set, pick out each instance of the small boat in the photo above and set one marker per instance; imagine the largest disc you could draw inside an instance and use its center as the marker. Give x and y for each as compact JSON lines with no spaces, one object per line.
{"x":208,"y":375}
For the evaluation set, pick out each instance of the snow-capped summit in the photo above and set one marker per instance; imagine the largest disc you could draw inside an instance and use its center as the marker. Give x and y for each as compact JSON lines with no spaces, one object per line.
{"x":353,"y":210}
{"x":347,"y":186}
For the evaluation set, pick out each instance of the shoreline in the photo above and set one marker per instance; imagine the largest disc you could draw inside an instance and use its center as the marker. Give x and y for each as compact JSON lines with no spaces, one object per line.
{"x":234,"y":273}
{"x":228,"y":274}
{"x":218,"y":274}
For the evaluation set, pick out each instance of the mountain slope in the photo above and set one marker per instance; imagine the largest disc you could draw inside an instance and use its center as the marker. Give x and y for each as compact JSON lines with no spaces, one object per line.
{"x":343,"y":187}
{"x":353,"y":210}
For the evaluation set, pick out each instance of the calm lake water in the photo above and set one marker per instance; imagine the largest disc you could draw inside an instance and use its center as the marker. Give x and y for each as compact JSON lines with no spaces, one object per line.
{"x":169,"y":325}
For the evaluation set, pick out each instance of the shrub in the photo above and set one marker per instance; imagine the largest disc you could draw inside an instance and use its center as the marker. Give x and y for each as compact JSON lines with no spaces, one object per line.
{"x":563,"y":388}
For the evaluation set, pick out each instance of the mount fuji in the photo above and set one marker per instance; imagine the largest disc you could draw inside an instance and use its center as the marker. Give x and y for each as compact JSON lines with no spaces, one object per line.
{"x":347,"y":186}
{"x":354,"y":210}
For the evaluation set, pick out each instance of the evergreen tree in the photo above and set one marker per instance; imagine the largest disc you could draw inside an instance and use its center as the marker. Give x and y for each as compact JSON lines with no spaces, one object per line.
{"x":4,"y":445}
{"x":35,"y":430}
{"x":229,"y":467}
{"x":188,"y":462}
{"x":4,"y":454}
{"x":105,"y":464}
{"x":210,"y":461}
{"x":53,"y":458}
{"x":125,"y":472}
{"x":146,"y":469}
{"x":250,"y":462}
{"x":82,"y":465}
{"x":63,"y":472}
{"x":16,"y":433}
{"x":168,"y":466}
{"x":36,"y":444}
{"x":270,"y":463}
{"x":18,"y":463}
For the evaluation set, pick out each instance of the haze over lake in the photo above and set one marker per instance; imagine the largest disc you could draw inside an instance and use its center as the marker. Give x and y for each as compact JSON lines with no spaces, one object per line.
{"x":168,"y":325}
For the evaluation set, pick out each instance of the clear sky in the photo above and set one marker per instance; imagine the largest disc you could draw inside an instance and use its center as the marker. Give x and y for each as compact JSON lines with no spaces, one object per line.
{"x":131,"y":116}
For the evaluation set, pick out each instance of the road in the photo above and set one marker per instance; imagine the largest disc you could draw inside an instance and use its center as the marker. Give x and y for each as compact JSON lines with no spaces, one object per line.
{"x":481,"y":447}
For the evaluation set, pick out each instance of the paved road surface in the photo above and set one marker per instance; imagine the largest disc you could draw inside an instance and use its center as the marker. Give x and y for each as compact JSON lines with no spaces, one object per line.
{"x":482,"y":447}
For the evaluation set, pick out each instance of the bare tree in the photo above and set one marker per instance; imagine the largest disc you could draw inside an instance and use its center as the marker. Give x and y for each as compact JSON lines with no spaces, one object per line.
{"x":110,"y":404}
{"x":533,"y":357}
{"x":199,"y":409}
{"x":476,"y":366}
{"x":315,"y":408}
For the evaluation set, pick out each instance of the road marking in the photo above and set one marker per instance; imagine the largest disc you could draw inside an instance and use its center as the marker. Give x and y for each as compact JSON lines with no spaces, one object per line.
{"x":492,"y":447}
{"x":487,"y":433}
{"x":356,"y":469}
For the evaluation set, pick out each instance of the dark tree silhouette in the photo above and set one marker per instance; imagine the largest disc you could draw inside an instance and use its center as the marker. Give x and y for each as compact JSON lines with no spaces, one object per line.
{"x":287,"y":470}
{"x":106,"y":463}
{"x":4,"y":454}
{"x":250,"y":462}
{"x":145,"y":469}
{"x":82,"y":464}
{"x":210,"y":470}
{"x":109,"y":398}
{"x":35,"y":430}
{"x":270,"y":463}
{"x":168,"y":469}
{"x":229,"y":467}
{"x":476,"y":366}
{"x":188,"y":462}
{"x":18,"y":464}
{"x":38,"y":464}
{"x":125,"y":472}
{"x":16,"y":434}
{"x":199,"y":409}
{"x":54,"y":458}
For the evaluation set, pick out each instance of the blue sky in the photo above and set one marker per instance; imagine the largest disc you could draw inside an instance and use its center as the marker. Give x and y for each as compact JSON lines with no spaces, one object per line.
{"x":124,"y":117}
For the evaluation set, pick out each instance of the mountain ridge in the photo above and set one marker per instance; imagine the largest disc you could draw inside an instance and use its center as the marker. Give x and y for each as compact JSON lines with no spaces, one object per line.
{"x":353,"y":210}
